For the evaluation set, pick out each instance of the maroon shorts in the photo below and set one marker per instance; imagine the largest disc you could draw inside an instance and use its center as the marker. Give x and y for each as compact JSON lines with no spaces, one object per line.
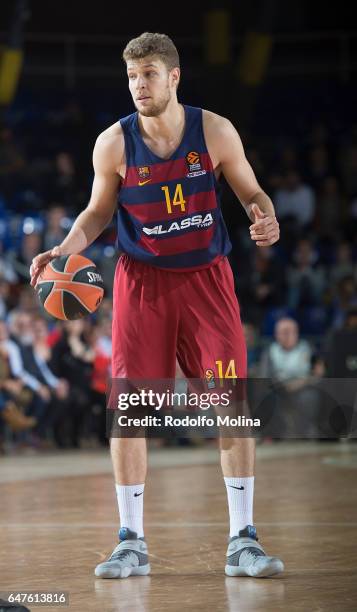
{"x":160,"y":315}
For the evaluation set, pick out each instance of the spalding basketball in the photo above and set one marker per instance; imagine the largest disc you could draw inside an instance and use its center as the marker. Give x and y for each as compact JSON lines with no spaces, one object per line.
{"x":70,"y":287}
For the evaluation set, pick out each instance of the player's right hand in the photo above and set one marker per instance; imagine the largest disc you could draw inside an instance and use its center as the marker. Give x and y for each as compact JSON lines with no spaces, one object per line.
{"x":40,"y":262}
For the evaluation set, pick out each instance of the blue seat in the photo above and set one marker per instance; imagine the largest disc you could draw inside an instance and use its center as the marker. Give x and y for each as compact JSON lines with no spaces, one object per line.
{"x":313,"y":320}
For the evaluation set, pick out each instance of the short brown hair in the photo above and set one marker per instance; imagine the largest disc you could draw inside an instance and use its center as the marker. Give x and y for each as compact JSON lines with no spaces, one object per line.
{"x":153,"y":44}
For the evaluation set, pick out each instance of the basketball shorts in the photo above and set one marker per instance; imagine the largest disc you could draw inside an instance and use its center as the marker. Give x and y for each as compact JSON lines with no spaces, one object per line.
{"x":161,"y":316}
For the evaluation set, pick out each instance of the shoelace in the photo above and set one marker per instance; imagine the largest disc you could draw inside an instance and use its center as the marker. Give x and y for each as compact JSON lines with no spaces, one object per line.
{"x":253,"y":556}
{"x":120,"y":555}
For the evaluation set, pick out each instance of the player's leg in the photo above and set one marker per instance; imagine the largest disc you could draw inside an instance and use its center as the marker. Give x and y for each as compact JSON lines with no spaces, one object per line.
{"x":130,"y":556}
{"x":144,"y":341}
{"x":237,"y":462}
{"x":212,"y":338}
{"x":245,"y":556}
{"x":129,"y":459}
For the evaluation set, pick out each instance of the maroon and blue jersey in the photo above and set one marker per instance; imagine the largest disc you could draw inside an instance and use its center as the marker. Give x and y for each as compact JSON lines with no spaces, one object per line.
{"x":169,"y":212}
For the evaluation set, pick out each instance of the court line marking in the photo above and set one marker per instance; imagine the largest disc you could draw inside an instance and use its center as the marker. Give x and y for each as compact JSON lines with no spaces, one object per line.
{"x":341,"y":462}
{"x":166,"y":525}
{"x":43,"y":466}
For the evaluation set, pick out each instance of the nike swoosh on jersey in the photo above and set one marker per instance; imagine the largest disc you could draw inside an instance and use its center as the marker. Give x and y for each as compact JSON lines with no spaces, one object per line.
{"x":141,"y":183}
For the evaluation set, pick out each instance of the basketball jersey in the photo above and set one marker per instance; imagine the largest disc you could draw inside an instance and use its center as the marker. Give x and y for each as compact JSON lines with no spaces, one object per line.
{"x":169,"y":212}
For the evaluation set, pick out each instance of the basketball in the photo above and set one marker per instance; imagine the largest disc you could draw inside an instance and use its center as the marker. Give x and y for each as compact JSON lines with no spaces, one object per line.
{"x":70,"y":287}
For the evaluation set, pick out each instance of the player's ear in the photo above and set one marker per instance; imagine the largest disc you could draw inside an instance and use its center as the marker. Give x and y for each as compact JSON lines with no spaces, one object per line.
{"x":175,"y":75}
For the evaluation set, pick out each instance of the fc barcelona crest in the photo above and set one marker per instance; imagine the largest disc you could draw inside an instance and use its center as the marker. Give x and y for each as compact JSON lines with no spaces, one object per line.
{"x":144,"y":172}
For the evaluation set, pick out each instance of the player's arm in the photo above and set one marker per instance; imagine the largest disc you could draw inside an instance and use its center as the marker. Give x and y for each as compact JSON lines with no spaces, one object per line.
{"x":107,"y":155}
{"x":228,"y":155}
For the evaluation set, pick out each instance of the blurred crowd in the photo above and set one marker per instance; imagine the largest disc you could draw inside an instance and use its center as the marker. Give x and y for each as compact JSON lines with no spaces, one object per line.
{"x":295,"y":297}
{"x":53,"y":378}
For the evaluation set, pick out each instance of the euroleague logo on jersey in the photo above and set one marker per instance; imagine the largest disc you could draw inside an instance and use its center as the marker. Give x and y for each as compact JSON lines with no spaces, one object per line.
{"x":209,"y":376}
{"x":193,"y":161}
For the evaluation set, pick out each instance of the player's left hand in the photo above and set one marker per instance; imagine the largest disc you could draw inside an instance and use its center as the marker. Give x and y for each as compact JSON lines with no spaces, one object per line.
{"x":265,"y":229}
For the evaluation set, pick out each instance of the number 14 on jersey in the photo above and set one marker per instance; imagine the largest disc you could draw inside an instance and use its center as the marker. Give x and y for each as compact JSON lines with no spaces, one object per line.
{"x":178,"y":199}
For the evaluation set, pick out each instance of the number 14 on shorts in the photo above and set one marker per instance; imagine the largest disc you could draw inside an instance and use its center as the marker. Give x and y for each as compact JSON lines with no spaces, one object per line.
{"x":225,"y":370}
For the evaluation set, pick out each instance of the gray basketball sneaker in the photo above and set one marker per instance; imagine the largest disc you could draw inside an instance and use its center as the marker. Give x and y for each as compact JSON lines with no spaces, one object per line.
{"x":129,"y":558}
{"x":245,"y":557}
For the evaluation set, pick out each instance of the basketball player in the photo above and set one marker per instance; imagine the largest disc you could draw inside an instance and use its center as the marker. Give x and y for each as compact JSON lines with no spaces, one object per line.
{"x":173,"y":292}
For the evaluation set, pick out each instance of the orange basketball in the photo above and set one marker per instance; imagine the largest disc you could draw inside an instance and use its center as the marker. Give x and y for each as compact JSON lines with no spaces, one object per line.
{"x":70,"y":287}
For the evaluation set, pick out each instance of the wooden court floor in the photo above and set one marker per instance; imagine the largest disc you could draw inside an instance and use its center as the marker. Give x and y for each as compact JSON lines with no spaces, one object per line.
{"x":58,"y":519}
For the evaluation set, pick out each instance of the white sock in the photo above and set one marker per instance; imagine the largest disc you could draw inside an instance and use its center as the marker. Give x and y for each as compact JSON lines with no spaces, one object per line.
{"x":131,"y":507}
{"x":240,"y":493}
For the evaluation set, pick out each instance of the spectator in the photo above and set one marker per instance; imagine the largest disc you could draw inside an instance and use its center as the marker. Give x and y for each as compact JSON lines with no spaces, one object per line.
{"x":345,"y":298}
{"x":31,"y":245}
{"x":261,"y":284}
{"x":21,"y":327}
{"x":13,"y":416}
{"x":14,"y":396}
{"x":267,"y":278}
{"x":329,"y":206}
{"x":28,"y":300}
{"x":344,"y":265}
{"x":39,"y":179}
{"x":7,"y":271}
{"x":4,"y":297}
{"x":31,"y":379}
{"x":340,"y":348}
{"x":295,"y":200}
{"x":318,"y":166}
{"x":287,"y":358}
{"x":100,"y":375}
{"x":17,"y":370}
{"x":351,"y":319}
{"x":288,"y":362}
{"x":36,"y":359}
{"x":72,"y":359}
{"x":306,"y":280}
{"x":65,"y":186}
{"x":55,"y":232}
{"x":73,"y":127}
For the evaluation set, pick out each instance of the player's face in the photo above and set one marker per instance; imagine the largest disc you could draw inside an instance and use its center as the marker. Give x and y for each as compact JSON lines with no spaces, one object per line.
{"x":151,"y":85}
